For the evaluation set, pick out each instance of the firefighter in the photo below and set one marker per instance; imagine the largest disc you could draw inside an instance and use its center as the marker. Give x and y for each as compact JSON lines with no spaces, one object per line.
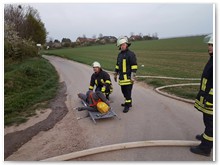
{"x":204,"y":103}
{"x":101,"y":80}
{"x":126,"y":68}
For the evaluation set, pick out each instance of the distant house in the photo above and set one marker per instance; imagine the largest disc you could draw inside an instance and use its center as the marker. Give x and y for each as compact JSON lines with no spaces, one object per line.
{"x":106,"y":39}
{"x":50,"y":44}
{"x":112,"y":39}
{"x":66,"y":42}
{"x":135,"y":38}
{"x":147,"y":37}
{"x":101,"y":40}
{"x":82,"y":41}
{"x":57,"y":45}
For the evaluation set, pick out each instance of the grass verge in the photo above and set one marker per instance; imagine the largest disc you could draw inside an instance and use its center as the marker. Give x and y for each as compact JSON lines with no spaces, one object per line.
{"x":27,"y":86}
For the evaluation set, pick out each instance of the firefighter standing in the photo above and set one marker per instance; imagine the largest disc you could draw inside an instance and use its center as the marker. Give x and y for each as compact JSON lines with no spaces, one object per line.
{"x":101,"y":80}
{"x":204,"y":103}
{"x":126,"y":68}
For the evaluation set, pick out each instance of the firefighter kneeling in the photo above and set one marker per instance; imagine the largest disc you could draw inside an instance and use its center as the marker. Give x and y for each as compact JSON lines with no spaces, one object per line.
{"x":101,"y":80}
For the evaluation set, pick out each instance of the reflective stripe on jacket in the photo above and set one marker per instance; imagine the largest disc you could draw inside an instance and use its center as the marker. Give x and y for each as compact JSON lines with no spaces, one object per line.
{"x":102,"y":80}
{"x":204,"y":99}
{"x":126,"y":63}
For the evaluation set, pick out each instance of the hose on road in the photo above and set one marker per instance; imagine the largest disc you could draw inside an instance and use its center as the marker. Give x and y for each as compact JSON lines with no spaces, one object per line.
{"x":171,"y":78}
{"x":121,"y":146}
{"x":158,"y":89}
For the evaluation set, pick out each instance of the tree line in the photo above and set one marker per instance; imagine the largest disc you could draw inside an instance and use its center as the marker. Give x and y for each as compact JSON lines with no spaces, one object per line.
{"x":25,"y":33}
{"x":23,"y":30}
{"x":101,"y":40}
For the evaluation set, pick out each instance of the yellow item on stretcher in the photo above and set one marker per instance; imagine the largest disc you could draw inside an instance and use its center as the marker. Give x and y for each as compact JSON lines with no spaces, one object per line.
{"x":103,"y":107}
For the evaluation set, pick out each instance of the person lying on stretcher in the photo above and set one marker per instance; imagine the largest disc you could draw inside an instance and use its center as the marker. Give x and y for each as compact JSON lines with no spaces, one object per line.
{"x":96,"y":101}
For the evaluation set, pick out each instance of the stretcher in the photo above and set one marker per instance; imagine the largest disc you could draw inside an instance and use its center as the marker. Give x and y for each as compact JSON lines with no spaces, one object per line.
{"x":97,"y":115}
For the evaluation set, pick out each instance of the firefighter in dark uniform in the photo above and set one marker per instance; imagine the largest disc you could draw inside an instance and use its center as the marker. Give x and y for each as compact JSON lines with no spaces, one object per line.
{"x":101,"y":80}
{"x":204,"y":103}
{"x":126,"y":68}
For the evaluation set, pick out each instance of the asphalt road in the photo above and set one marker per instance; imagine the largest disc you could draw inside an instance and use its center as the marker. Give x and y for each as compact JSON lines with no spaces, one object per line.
{"x":152,"y":117}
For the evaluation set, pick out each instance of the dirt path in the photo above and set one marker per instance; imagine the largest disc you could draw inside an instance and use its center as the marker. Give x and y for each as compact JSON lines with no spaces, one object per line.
{"x":14,"y":140}
{"x":153,"y":117}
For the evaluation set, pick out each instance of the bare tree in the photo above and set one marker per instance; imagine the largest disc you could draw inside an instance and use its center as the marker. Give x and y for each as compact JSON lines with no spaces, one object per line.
{"x":94,"y":36}
{"x":154,"y":35}
{"x":100,"y":35}
{"x":15,"y":15}
{"x":140,"y":34}
{"x":131,"y":34}
{"x":26,"y":21}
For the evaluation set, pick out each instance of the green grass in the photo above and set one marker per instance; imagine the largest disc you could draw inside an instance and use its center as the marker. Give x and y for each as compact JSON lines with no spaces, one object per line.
{"x":177,"y":57}
{"x":188,"y":92}
{"x":27,"y":84}
{"x":105,"y":54}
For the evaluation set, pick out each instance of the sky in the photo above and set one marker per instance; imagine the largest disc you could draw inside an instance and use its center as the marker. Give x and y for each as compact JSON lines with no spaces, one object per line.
{"x":72,"y":20}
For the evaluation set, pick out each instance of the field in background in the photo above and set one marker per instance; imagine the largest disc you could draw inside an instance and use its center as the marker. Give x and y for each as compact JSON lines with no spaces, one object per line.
{"x":177,"y":57}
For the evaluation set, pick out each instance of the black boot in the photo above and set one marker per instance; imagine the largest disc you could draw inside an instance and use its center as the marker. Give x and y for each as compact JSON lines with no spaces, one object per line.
{"x":107,"y":97}
{"x":126,"y":109}
{"x":123,"y":104}
{"x":200,"y":151}
{"x":199,"y":137}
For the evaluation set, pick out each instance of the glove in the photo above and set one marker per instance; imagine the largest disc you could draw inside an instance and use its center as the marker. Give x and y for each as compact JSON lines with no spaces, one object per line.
{"x":133,"y":76}
{"x":107,"y":89}
{"x":115,"y":76}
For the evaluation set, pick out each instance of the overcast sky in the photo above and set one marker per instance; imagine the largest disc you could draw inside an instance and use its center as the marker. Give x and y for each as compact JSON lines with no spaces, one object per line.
{"x":72,"y":20}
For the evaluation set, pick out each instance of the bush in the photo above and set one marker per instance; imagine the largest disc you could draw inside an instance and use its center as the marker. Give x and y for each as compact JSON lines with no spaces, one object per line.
{"x":28,"y":49}
{"x":15,"y":47}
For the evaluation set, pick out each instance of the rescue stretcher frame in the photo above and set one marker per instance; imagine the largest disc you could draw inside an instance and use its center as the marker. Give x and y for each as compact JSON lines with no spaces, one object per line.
{"x":98,"y":115}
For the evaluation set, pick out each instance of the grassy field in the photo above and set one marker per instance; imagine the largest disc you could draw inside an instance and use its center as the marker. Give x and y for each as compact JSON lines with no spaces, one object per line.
{"x":27,"y":84}
{"x":177,"y":57}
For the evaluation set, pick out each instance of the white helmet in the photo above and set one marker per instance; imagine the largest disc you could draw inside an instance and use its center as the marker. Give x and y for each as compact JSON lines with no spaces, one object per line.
{"x":96,"y":64}
{"x":122,"y":40}
{"x":208,"y":39}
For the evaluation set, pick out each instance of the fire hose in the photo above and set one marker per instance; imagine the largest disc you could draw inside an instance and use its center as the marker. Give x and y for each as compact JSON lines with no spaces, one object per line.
{"x":121,"y":146}
{"x":158,"y":89}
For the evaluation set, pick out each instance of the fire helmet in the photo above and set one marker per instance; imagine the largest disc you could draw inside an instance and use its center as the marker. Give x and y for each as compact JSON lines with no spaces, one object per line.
{"x":208,"y":39}
{"x":96,"y":64}
{"x":122,"y":40}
